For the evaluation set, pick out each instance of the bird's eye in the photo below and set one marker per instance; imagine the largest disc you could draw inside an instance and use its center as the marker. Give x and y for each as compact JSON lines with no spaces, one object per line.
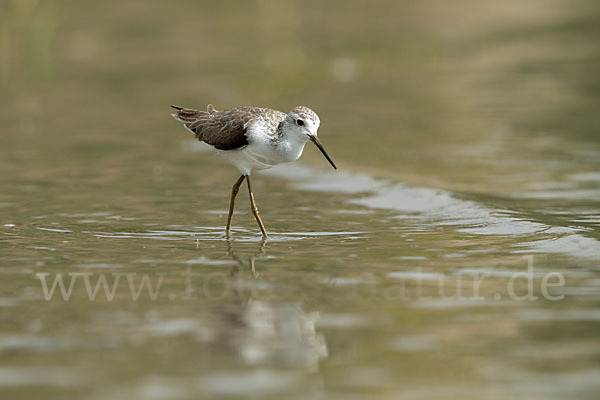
{"x":299,"y":122}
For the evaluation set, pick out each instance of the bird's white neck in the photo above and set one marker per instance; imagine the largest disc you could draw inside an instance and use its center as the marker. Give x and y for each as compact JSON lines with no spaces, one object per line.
{"x":291,"y":146}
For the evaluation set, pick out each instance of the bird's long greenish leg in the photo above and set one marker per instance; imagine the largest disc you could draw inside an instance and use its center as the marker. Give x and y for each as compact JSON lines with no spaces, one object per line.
{"x":255,"y":210}
{"x":234,"y":192}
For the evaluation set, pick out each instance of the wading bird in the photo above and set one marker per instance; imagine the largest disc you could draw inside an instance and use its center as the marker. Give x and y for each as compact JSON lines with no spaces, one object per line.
{"x":253,"y":138}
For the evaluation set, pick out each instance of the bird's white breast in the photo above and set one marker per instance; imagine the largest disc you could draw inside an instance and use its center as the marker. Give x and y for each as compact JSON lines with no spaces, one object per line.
{"x":262,"y":151}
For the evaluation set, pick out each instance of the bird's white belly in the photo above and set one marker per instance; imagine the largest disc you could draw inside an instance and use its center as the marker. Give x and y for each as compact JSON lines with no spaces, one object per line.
{"x":260,"y":156}
{"x":245,"y":160}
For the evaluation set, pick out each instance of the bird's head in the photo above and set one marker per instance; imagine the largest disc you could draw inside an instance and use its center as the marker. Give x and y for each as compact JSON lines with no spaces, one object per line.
{"x":302,"y":123}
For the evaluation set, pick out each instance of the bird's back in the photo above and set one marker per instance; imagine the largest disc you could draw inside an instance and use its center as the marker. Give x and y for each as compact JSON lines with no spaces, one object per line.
{"x":228,"y":129}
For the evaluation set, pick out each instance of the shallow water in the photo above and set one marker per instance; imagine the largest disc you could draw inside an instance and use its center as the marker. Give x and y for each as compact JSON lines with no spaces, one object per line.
{"x":454,"y":254}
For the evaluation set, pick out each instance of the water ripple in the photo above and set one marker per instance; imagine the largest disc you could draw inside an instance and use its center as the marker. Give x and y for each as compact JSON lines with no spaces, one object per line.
{"x":442,"y":208}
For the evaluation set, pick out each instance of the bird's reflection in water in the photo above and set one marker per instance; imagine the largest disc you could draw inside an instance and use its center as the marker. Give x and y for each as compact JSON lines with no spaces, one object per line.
{"x":251,"y":260}
{"x":263,"y":330}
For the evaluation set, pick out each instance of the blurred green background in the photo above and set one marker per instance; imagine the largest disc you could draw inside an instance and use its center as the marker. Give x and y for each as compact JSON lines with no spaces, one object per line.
{"x":436,"y":92}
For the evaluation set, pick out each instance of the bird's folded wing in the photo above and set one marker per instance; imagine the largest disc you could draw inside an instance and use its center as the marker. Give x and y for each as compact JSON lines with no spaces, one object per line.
{"x":224,"y":130}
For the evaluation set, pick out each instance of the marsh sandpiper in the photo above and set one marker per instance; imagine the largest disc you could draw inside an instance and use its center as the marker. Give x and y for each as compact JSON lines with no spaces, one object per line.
{"x":253,"y":138}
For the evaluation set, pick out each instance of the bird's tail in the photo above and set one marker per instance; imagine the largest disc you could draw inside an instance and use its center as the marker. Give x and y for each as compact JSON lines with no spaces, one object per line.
{"x":186,"y":115}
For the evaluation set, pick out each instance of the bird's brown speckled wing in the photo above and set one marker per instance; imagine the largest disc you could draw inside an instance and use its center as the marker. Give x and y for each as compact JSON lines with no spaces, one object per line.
{"x":224,"y":130}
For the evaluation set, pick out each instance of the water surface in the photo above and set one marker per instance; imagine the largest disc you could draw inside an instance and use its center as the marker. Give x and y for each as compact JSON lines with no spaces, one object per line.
{"x":454,"y":254}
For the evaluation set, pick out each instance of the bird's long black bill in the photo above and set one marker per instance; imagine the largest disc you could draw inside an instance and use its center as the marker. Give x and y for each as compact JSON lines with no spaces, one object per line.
{"x":315,"y":140}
